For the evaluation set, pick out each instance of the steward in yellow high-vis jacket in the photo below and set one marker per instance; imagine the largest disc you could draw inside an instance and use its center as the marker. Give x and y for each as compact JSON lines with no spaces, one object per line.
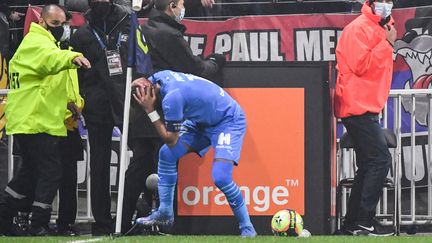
{"x":35,"y":112}
{"x":38,"y":73}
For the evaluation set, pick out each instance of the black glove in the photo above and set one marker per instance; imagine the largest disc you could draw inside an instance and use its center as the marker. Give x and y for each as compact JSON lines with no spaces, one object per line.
{"x":219,"y":59}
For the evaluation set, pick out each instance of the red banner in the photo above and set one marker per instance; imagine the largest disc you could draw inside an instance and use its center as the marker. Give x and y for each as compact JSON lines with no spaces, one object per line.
{"x":310,"y":37}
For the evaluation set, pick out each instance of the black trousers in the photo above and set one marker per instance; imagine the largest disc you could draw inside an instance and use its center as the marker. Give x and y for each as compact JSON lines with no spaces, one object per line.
{"x":144,"y":162}
{"x":36,"y":182}
{"x":100,"y":135}
{"x":71,"y":150}
{"x":373,"y":162}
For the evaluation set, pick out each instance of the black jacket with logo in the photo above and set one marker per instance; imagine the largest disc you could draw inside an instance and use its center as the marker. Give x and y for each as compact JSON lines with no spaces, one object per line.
{"x":168,"y":48}
{"x":104,"y":95}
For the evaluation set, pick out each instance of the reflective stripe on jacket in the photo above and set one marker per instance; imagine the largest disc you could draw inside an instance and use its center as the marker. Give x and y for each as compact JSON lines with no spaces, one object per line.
{"x":365,"y":66}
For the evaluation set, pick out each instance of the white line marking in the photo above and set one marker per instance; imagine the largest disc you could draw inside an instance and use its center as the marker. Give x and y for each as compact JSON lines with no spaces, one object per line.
{"x":86,"y":241}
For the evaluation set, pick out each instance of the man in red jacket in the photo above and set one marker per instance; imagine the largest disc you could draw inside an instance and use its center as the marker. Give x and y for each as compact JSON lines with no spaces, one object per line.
{"x":365,"y":67}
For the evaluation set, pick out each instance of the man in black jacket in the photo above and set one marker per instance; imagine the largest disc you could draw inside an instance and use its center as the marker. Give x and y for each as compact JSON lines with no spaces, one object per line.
{"x":106,"y":36}
{"x":103,"y":40}
{"x":168,"y":50}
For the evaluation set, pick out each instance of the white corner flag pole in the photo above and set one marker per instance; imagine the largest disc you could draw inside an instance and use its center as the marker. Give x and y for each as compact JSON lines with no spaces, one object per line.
{"x":123,"y":151}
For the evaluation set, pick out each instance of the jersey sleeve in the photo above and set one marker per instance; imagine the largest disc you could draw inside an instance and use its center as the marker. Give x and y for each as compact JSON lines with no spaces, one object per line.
{"x":172,"y":106}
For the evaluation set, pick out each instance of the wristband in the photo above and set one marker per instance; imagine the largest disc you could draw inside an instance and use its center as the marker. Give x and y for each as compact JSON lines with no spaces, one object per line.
{"x":154,"y":116}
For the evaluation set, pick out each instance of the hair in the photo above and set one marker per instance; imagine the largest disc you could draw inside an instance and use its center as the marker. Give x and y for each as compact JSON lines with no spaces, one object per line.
{"x":162,"y":5}
{"x":47,"y":9}
{"x":67,"y":13}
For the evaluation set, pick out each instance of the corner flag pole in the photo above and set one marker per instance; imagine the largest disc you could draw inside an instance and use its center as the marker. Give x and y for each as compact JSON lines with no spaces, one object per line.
{"x":123,"y":151}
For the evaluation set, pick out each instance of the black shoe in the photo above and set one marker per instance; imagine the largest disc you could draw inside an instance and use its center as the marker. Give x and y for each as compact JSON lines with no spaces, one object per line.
{"x":66,"y":230}
{"x":39,"y":231}
{"x":21,"y":224}
{"x":101,"y":230}
{"x":369,"y":230}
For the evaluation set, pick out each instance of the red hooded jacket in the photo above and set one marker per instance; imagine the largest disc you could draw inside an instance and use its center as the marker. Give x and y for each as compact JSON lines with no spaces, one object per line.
{"x":365,"y":66}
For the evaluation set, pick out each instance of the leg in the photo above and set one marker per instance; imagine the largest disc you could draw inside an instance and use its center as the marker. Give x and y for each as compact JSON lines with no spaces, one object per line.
{"x":167,"y":172}
{"x":357,"y":189}
{"x":71,"y":151}
{"x":19,"y":193}
{"x":45,"y":151}
{"x":100,"y":158}
{"x":222,"y":177}
{"x":190,"y":140}
{"x":374,"y":163}
{"x":227,"y":140}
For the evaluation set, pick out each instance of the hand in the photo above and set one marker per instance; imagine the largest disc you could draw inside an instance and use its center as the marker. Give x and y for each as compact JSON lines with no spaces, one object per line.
{"x":16,"y":16}
{"x":140,"y":82}
{"x":146,"y":97}
{"x":82,"y":62}
{"x":76,"y":113}
{"x":219,"y":59}
{"x":391,"y":34}
{"x":207,"y":3}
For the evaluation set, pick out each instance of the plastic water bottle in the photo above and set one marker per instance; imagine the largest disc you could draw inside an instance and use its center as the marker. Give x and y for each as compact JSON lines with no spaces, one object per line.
{"x":305,"y":233}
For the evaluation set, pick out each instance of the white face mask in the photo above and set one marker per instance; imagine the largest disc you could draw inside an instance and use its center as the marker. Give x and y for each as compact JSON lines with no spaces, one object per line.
{"x":383,"y":9}
{"x":180,"y":17}
{"x":66,"y":33}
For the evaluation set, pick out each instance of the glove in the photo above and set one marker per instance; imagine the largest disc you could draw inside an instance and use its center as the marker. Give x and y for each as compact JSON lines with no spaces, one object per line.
{"x":219,"y":59}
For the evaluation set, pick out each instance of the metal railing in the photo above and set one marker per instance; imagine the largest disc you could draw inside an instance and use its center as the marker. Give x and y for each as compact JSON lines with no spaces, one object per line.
{"x":400,"y":115}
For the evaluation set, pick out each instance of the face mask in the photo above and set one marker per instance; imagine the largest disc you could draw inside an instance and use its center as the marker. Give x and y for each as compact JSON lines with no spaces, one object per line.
{"x":383,"y":9}
{"x":57,"y":31}
{"x":66,"y":33}
{"x":180,"y":17}
{"x":99,"y":10}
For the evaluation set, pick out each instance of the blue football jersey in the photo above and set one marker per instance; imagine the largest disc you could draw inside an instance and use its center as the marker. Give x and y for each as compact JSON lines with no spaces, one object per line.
{"x":189,"y":97}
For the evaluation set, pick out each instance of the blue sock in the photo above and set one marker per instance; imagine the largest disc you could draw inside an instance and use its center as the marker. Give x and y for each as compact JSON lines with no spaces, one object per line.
{"x":222,"y":177}
{"x":167,"y":172}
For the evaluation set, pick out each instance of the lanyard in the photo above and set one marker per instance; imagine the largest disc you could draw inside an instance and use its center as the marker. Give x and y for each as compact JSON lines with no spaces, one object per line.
{"x":102,"y":45}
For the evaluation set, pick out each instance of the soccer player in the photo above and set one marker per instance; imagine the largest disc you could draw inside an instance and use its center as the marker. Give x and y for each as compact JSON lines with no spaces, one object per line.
{"x":198,"y":114}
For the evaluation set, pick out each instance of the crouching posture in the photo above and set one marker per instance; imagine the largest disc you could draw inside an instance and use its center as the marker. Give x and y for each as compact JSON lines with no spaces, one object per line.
{"x":198,"y":114}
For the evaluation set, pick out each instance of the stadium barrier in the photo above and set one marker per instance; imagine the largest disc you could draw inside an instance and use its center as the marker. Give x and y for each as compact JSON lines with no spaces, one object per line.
{"x":411,"y":167}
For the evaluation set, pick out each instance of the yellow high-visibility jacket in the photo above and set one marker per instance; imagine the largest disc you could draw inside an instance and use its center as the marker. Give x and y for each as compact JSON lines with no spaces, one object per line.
{"x":38,"y":77}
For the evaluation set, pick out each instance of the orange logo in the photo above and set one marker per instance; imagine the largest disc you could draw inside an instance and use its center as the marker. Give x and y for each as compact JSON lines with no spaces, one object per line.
{"x":271,"y":168}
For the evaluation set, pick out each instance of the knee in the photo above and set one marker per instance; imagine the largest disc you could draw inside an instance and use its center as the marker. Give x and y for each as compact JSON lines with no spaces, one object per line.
{"x":165,"y":154}
{"x":221,"y":177}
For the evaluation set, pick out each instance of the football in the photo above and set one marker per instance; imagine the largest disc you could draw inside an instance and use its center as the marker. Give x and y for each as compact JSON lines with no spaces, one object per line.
{"x":287,"y":222}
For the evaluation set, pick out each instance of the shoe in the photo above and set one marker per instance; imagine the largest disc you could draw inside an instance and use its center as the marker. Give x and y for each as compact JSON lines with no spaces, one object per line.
{"x":158,"y":219}
{"x":98,"y":229}
{"x":66,"y":230}
{"x":39,"y":231}
{"x":21,"y":224}
{"x":248,"y":232}
{"x":368,"y":230}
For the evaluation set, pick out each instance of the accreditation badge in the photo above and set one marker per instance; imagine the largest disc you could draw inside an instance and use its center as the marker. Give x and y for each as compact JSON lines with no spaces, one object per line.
{"x":114,"y":62}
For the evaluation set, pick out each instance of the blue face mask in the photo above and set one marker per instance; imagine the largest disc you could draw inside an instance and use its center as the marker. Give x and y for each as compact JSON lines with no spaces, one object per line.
{"x":383,"y":9}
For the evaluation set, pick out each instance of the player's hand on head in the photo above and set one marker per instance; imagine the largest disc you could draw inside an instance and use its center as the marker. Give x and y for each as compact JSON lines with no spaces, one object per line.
{"x":146,"y":97}
{"x":140,"y":82}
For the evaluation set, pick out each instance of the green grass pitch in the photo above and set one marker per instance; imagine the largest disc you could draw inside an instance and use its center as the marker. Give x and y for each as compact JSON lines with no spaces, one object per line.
{"x":224,"y":239}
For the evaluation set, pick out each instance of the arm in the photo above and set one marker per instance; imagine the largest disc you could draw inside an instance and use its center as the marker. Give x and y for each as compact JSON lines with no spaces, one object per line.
{"x":146,"y":97}
{"x":170,"y":138}
{"x":53,"y":60}
{"x":189,"y":63}
{"x":361,"y":57}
